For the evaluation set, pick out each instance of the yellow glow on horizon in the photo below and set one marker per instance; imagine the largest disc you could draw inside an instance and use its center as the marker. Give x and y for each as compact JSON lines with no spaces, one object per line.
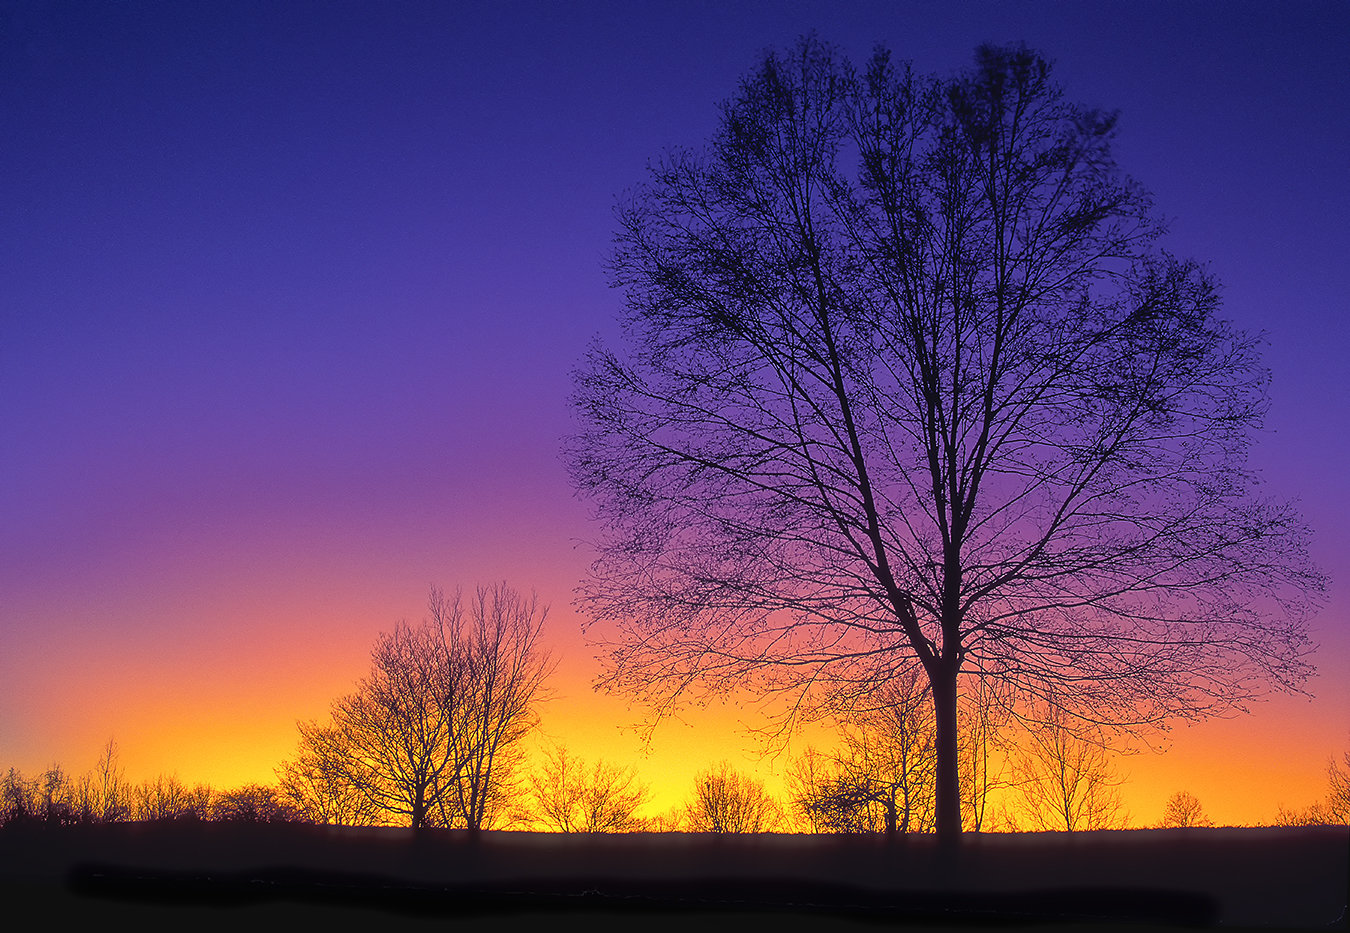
{"x":226,"y":753}
{"x":225,"y":715}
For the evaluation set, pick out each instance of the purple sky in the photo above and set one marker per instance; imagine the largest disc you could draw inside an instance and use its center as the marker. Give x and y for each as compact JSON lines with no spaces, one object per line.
{"x":290,"y":293}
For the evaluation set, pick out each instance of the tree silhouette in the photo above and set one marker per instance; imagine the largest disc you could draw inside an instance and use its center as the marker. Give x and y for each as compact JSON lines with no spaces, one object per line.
{"x":432,"y":733}
{"x":110,"y":789}
{"x":1183,"y":810}
{"x":54,"y":797}
{"x":56,"y":805}
{"x":1333,"y":809}
{"x":18,"y":799}
{"x":882,"y":777}
{"x":391,"y":737}
{"x":983,"y":759}
{"x":1066,"y":781}
{"x":253,"y":803}
{"x":166,"y":797}
{"x":317,"y":784}
{"x":730,"y":801}
{"x":569,"y":797}
{"x":507,"y":667}
{"x":907,"y":381}
{"x":1338,"y":790}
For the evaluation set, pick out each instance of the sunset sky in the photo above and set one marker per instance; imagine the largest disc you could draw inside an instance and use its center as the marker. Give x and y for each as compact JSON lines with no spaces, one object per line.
{"x":290,"y":294}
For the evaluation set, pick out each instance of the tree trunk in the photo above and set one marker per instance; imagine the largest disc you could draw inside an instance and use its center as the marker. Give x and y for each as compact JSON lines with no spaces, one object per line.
{"x":948,"y":817}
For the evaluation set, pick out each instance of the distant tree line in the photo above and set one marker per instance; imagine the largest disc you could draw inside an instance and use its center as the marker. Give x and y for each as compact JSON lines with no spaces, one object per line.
{"x":104,"y":795}
{"x":858,"y":788}
{"x":434,"y":736}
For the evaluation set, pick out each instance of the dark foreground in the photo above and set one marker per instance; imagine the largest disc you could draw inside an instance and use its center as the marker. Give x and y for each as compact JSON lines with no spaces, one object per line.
{"x":230,"y":877}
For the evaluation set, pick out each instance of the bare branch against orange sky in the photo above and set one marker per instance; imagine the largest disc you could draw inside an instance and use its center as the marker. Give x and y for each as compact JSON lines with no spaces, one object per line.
{"x":291,"y":295}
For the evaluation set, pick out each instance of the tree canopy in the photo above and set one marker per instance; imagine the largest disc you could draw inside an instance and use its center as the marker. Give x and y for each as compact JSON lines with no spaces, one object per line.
{"x":907,"y":379}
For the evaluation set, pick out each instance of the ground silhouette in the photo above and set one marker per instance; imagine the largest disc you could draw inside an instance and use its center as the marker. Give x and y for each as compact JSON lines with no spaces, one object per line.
{"x":215,"y":876}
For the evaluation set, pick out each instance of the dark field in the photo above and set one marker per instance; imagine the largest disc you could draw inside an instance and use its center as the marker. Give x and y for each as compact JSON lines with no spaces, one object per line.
{"x":231,"y":877}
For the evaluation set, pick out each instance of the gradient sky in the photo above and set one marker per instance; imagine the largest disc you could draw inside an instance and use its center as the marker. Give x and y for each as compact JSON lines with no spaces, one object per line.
{"x":290,"y":294}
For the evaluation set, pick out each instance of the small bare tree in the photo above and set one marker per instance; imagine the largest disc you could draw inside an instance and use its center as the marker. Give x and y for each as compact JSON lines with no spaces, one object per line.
{"x":432,"y":734}
{"x":1183,"y":810}
{"x":1066,"y":780}
{"x":253,"y":803}
{"x":983,"y":760}
{"x":390,"y":738}
{"x":809,"y":777}
{"x":1332,"y":810}
{"x":57,"y":805}
{"x":111,"y":793}
{"x":729,"y":801}
{"x":168,"y":798}
{"x":1338,"y":790}
{"x":569,"y":797}
{"x":157,"y":798}
{"x":882,"y":777}
{"x":18,"y":798}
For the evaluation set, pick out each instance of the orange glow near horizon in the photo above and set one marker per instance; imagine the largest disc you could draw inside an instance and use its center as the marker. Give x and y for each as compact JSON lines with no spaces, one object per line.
{"x":232,"y":721}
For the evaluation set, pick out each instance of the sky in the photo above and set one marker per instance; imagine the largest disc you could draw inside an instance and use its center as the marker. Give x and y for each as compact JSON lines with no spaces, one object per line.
{"x":290,"y":294}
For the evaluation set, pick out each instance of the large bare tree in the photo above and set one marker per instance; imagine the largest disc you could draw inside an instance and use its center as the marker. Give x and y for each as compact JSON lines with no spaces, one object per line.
{"x":907,"y":380}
